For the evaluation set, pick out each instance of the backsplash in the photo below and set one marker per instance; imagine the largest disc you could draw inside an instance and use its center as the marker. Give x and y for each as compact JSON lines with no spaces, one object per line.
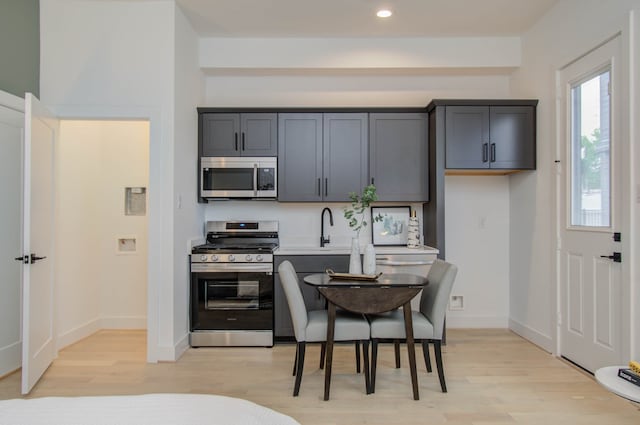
{"x":299,"y":222}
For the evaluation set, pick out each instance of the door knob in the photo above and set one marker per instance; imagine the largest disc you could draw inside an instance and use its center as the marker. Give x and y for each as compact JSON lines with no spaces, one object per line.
{"x":24,"y":259}
{"x":616,"y":257}
{"x":34,"y":258}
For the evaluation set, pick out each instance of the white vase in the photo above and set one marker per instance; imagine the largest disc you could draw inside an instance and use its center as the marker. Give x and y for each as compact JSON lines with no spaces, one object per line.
{"x":369,"y":261}
{"x":355,"y":265}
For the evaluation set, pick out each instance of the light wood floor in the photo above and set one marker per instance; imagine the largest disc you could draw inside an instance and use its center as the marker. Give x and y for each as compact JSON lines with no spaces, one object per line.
{"x":493,"y":377}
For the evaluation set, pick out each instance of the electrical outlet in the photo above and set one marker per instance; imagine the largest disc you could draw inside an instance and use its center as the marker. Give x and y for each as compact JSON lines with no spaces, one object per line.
{"x":456,"y":302}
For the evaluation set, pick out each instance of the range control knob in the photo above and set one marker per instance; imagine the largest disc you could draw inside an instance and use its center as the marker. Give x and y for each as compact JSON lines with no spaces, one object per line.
{"x":231,"y":257}
{"x":248,"y":258}
{"x":214,"y":258}
{"x":259,"y":257}
{"x":203,"y":258}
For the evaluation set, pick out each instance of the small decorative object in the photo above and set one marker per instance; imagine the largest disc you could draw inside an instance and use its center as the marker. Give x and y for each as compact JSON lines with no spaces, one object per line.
{"x":413,"y":231}
{"x":392,"y":227}
{"x":369,"y":261}
{"x":355,"y":216}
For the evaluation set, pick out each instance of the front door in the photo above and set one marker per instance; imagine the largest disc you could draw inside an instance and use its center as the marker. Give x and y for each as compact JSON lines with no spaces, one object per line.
{"x":38,"y":336}
{"x":589,"y":209}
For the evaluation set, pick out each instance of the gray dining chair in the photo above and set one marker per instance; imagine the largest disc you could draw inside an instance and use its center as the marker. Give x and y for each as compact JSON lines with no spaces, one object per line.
{"x":428,"y":322}
{"x":311,"y":326}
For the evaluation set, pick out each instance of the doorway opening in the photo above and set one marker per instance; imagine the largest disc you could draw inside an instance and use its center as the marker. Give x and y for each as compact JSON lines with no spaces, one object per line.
{"x":101,"y":227}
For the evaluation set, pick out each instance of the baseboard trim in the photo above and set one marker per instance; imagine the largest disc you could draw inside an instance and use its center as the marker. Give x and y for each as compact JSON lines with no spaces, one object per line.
{"x":76,"y":334}
{"x":10,"y":358}
{"x":123,"y":322}
{"x":543,"y":341}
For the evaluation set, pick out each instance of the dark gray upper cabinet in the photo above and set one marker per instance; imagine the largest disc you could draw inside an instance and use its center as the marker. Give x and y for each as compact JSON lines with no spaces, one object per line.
{"x":398,"y":157}
{"x":321,"y":156}
{"x":235,"y":134}
{"x":490,"y":137}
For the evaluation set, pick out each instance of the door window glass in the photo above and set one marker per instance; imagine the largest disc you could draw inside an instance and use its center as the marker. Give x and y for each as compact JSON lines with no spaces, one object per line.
{"x":590,"y":151}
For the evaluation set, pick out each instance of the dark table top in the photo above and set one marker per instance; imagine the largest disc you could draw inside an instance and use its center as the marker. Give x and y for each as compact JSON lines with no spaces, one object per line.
{"x":385,"y":280}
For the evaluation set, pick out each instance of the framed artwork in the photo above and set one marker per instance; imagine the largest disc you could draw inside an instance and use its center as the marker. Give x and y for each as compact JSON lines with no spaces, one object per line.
{"x":392,"y":229}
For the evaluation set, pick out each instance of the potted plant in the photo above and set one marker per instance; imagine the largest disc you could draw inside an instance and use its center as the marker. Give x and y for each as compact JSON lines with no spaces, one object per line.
{"x":356,"y":217}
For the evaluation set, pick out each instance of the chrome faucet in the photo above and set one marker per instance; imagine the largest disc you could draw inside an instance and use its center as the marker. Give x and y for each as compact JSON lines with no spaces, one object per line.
{"x":322,"y":238}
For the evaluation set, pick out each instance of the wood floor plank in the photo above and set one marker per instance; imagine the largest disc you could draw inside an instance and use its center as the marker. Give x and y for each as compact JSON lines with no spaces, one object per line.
{"x":493,"y":377}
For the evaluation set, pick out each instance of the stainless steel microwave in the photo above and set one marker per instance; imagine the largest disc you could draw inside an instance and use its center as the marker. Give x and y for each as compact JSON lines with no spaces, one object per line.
{"x":238,"y":177}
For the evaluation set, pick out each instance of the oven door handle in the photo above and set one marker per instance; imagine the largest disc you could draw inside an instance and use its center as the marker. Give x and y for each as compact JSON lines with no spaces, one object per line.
{"x":231,"y":267}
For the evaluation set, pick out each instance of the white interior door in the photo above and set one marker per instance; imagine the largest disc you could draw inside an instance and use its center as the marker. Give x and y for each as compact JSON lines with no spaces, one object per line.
{"x":590,"y":205}
{"x":38,"y":336}
{"x":11,"y":141}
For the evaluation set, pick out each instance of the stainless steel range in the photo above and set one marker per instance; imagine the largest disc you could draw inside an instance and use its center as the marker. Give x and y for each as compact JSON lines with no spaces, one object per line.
{"x":232,"y":284}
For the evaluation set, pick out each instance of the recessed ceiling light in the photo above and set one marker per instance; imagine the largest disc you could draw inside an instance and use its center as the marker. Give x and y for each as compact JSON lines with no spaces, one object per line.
{"x":383,"y":13}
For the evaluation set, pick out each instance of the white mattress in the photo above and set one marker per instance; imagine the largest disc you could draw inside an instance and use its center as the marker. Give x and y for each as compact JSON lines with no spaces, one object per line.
{"x":152,"y":409}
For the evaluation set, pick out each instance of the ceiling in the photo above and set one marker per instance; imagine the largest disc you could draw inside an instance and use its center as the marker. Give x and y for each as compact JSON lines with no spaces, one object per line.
{"x":356,"y":18}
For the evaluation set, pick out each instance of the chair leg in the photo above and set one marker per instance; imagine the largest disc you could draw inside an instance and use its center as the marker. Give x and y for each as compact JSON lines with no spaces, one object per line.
{"x":438,"y":352}
{"x":357,"y":356}
{"x":295,"y":361}
{"x":300,"y":364}
{"x":367,"y":378}
{"x":323,"y":350}
{"x":396,"y":347}
{"x":374,"y":361}
{"x":427,"y":357}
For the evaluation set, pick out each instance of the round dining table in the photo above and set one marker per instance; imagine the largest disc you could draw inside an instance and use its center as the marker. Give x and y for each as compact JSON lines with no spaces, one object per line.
{"x":368,"y":296}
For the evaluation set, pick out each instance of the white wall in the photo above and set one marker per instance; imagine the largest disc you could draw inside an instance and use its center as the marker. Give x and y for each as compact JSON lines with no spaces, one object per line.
{"x":477,"y":241}
{"x":116,"y":60}
{"x":569,"y":30}
{"x":11,"y":130}
{"x":188,"y":214}
{"x":97,"y":286}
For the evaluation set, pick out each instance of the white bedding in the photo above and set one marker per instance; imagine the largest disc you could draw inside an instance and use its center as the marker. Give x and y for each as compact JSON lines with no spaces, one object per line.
{"x":152,"y":409}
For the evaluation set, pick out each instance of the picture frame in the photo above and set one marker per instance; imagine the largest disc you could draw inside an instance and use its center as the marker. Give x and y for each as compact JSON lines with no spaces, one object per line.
{"x":392,"y":230}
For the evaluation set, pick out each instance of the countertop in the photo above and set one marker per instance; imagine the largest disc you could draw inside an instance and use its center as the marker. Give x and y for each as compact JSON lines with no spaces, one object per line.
{"x":344,"y":250}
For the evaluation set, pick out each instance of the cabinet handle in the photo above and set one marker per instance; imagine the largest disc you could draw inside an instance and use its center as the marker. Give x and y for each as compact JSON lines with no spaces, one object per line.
{"x":319,"y":193}
{"x":485,"y":152}
{"x":493,"y":152}
{"x":235,"y":135}
{"x":326,"y":186}
{"x":243,"y":140}
{"x":372,"y":180}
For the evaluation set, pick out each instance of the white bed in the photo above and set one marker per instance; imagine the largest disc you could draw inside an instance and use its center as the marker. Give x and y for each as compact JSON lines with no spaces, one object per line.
{"x":152,"y":409}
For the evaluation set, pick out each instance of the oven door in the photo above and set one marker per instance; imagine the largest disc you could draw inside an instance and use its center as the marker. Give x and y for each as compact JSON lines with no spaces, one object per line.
{"x":232,"y":300}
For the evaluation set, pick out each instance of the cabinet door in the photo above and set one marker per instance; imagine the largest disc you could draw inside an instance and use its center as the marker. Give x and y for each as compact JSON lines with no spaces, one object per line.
{"x":345,"y":152}
{"x":259,"y":134}
{"x":299,"y":157}
{"x":399,"y":163}
{"x":220,"y":133}
{"x":512,"y":137}
{"x":467,"y":137}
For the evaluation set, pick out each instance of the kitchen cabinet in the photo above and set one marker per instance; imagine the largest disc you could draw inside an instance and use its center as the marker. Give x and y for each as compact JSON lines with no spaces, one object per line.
{"x":398,"y":157}
{"x":238,"y":134}
{"x":304,"y":265}
{"x":457,"y":130}
{"x":322,"y":156}
{"x":490,"y":137}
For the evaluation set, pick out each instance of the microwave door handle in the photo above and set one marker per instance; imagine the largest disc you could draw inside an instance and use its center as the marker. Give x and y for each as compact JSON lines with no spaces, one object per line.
{"x":255,"y":179}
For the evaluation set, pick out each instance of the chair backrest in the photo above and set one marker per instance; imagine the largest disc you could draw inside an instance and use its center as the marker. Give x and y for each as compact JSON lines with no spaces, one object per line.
{"x":297,"y":308}
{"x":435,"y":296}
